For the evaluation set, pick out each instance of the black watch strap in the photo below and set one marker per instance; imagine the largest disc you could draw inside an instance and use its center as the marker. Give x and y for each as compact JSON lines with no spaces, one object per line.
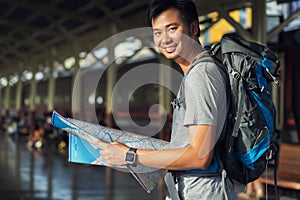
{"x":132,"y":149}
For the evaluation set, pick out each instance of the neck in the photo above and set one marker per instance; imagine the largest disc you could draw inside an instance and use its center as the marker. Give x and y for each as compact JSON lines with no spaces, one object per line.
{"x":185,"y":63}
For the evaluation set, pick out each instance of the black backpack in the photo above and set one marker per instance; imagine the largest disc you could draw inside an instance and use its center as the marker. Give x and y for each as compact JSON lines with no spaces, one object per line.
{"x":249,"y":140}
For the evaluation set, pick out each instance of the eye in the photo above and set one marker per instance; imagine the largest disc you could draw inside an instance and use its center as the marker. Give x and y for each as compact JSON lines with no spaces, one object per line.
{"x":172,"y":28}
{"x":157,"y":33}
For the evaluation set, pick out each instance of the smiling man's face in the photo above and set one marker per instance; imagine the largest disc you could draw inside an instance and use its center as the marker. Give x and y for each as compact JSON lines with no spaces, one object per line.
{"x":170,"y":34}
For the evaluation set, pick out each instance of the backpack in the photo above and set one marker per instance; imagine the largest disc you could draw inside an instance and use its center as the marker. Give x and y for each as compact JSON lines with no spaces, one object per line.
{"x":249,"y":140}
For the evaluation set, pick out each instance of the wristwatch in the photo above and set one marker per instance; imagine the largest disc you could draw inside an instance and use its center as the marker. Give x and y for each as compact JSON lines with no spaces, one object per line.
{"x":131,"y":157}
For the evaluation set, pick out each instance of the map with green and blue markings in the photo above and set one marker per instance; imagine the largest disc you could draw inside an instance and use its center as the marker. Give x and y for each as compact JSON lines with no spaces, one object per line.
{"x":82,"y":149}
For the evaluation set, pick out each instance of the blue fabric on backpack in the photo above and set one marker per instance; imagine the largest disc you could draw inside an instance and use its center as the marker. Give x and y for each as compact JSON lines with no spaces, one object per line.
{"x":266,"y":63}
{"x":262,"y":82}
{"x":213,"y":168}
{"x":251,"y":156}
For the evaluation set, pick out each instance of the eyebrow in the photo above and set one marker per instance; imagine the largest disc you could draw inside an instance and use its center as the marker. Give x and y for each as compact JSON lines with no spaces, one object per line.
{"x":167,"y":26}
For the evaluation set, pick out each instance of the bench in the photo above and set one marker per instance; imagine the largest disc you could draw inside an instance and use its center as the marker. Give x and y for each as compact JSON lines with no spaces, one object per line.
{"x":288,"y":173}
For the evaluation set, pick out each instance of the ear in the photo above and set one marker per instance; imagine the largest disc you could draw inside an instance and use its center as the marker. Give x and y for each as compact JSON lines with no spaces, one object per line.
{"x":194,"y":27}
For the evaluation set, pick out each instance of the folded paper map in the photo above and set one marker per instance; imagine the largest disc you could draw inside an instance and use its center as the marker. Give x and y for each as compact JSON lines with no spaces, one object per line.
{"x":83,"y":136}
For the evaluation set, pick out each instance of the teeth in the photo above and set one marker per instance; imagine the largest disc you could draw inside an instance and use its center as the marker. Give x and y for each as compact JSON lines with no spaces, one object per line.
{"x":169,"y":48}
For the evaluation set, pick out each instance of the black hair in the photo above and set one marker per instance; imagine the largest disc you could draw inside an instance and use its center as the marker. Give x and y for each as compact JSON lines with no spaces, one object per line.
{"x":187,"y":9}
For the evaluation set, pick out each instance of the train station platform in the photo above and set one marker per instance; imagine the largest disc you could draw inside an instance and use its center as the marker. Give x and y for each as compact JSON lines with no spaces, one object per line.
{"x":30,"y":174}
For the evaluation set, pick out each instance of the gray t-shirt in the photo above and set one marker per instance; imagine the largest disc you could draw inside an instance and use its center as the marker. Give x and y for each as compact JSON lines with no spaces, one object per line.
{"x":201,"y":100}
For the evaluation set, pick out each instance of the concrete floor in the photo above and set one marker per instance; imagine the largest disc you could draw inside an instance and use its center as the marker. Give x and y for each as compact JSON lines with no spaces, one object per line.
{"x":36,"y":175}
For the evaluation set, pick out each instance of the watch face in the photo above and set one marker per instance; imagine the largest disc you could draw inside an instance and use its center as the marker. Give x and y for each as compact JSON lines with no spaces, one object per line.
{"x":130,"y":157}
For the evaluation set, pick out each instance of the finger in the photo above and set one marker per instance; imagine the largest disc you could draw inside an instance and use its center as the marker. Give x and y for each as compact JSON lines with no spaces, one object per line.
{"x":102,"y":152}
{"x":115,"y":143}
{"x":100,"y":144}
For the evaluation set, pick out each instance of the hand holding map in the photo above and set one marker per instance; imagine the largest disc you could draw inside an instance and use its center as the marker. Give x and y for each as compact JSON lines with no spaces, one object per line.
{"x":85,"y":139}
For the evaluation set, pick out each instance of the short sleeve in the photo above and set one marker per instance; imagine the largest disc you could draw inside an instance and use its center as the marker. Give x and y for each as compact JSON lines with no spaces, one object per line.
{"x":205,"y":95}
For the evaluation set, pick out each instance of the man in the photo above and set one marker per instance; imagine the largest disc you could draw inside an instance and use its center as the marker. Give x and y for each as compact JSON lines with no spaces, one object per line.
{"x":199,"y":110}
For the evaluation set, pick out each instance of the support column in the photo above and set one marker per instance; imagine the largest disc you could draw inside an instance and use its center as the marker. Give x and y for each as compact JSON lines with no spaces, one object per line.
{"x":33,"y":90}
{"x":32,"y":105}
{"x":165,"y":98}
{"x":76,"y":90}
{"x":259,"y":28}
{"x":165,"y":93}
{"x":7,"y":95}
{"x":19,"y":93}
{"x":7,"y":102}
{"x":111,"y":80}
{"x":1,"y":98}
{"x":51,"y":89}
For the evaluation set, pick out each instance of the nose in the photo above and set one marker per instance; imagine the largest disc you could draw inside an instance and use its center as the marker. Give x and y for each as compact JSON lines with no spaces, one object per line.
{"x":165,"y":38}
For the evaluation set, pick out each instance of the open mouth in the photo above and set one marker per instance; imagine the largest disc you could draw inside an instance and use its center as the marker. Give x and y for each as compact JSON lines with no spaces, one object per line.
{"x":170,"y":49}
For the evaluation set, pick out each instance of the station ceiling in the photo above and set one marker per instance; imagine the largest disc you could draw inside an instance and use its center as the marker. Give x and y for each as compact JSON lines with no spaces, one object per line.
{"x":35,"y":31}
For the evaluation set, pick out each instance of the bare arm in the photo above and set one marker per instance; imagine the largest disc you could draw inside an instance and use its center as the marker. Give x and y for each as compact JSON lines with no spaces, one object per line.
{"x":197,"y":155}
